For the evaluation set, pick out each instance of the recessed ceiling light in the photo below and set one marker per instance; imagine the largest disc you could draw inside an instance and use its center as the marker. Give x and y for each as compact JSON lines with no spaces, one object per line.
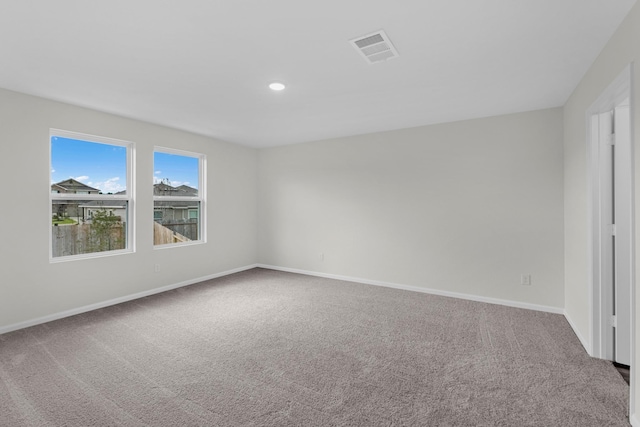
{"x":276,"y":86}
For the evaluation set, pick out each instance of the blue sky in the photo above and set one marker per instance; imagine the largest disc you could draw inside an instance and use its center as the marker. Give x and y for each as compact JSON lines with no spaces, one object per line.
{"x":179,"y":170}
{"x":103,"y":166}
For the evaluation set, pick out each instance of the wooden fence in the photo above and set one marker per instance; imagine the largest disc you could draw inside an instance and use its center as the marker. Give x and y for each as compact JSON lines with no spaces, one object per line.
{"x":78,"y":239}
{"x":163,"y":235}
{"x":186,"y":228}
{"x":81,"y":239}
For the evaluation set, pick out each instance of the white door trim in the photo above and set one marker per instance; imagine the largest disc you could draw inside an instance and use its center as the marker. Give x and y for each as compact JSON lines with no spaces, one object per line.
{"x":625,"y":233}
{"x":600,"y":250}
{"x":619,"y":90}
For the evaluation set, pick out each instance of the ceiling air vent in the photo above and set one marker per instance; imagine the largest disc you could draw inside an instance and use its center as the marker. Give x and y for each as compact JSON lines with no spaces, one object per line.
{"x":375,"y":47}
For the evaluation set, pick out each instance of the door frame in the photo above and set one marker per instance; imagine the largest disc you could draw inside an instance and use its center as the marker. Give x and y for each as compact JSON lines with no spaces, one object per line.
{"x":600,"y":327}
{"x":601,"y":252}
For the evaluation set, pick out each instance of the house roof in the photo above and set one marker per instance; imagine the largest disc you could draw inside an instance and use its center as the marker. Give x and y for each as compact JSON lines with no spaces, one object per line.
{"x":163,"y":189}
{"x":187,"y":189}
{"x":71,"y":185}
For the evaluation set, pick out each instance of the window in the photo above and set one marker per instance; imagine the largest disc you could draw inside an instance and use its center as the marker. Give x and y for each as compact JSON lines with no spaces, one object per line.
{"x":91,"y":196}
{"x":178,"y":197}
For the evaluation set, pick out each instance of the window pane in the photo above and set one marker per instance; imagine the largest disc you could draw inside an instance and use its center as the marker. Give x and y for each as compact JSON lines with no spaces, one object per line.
{"x":87,"y":226}
{"x":175,"y":222}
{"x":83,"y":167}
{"x":175,"y":175}
{"x":176,"y":179}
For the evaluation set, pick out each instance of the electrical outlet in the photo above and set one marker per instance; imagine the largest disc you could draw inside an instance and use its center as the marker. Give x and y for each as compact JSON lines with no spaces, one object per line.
{"x":156,"y":268}
{"x":525,"y":279}
{"x":321,"y":256}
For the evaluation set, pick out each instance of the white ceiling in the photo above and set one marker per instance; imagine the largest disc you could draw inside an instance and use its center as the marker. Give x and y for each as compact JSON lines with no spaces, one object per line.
{"x":204,"y":65}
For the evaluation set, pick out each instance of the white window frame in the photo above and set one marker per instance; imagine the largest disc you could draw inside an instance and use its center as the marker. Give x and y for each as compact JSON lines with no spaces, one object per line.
{"x":129,"y":197}
{"x":201,"y":198}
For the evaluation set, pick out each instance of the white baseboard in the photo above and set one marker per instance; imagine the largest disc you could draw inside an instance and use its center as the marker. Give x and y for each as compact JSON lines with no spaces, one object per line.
{"x":585,"y":343}
{"x":86,"y":308}
{"x":517,"y":304}
{"x":633,"y":420}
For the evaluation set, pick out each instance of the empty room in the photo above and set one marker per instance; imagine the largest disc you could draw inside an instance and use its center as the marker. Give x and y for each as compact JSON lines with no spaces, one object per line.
{"x":286,"y":213}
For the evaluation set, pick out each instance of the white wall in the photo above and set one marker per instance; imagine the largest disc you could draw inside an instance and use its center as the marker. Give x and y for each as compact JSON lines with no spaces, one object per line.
{"x":622,"y":49}
{"x":462,"y":207}
{"x":31,"y":287}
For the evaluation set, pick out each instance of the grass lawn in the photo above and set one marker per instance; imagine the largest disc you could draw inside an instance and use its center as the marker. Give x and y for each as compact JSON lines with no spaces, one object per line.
{"x":63,"y":221}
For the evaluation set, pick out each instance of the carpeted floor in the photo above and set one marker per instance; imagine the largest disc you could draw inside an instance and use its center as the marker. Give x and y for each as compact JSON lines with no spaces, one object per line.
{"x":266,"y":348}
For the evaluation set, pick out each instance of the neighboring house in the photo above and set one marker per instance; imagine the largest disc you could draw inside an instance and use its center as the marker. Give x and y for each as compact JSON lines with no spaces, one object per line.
{"x":180,"y":216}
{"x":70,"y":208}
{"x":167,"y":211}
{"x":175,"y":211}
{"x":115,"y":207}
{"x":71,"y":186}
{"x":163,"y":189}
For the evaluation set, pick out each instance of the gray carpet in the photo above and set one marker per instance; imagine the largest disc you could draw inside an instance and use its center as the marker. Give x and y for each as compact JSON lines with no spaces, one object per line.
{"x":265,"y":348}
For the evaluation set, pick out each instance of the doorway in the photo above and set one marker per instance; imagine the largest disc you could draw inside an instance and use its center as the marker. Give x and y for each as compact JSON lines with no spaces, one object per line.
{"x":612,"y":224}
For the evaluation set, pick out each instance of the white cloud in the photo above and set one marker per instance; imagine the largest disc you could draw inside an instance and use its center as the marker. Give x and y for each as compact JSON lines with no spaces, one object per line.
{"x":53,"y":171}
{"x":158,"y":172}
{"x":81,"y":178}
{"x":111,"y":185}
